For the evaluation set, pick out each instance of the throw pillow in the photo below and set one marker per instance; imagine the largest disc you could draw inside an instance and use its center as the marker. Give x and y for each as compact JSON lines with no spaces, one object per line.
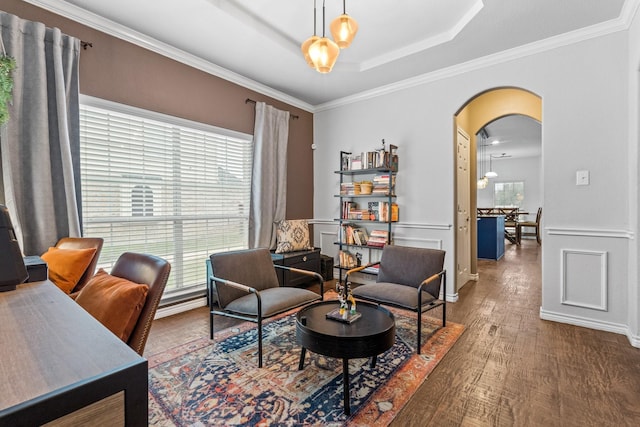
{"x":292,"y":235}
{"x":114,"y":302}
{"x":66,"y":266}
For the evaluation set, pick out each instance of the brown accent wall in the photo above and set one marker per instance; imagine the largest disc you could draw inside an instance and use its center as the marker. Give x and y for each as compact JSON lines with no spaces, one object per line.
{"x":128,"y":74}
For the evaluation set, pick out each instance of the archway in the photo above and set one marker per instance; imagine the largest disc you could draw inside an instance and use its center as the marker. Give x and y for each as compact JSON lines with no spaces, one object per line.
{"x":476,"y":113}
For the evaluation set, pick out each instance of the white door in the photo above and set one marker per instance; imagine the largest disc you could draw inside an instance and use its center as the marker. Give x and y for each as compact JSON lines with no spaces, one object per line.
{"x":463,"y":240}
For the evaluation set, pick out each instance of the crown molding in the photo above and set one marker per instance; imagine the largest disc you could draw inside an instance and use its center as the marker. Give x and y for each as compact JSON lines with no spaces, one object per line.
{"x":127,"y":34}
{"x":422,"y":45}
{"x":629,"y":9}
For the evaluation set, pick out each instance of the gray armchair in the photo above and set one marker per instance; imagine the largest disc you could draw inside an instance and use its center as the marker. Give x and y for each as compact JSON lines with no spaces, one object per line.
{"x":409,"y":278}
{"x":247,"y":288}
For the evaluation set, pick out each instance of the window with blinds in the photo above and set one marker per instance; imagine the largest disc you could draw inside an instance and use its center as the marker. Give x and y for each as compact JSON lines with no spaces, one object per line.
{"x":161,"y":185}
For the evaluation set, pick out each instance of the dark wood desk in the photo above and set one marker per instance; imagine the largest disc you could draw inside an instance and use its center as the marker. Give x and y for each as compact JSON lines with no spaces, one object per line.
{"x":58,"y":364}
{"x":372,"y":334}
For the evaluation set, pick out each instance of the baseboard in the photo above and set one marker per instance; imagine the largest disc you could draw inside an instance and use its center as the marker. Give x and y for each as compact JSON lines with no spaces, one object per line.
{"x":180,"y":307}
{"x":591,"y":324}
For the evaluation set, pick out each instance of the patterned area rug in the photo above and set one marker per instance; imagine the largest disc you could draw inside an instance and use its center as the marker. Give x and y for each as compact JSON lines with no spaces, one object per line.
{"x":204,"y":383}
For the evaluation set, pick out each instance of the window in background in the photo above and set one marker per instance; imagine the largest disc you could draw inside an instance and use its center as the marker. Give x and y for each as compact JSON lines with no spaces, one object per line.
{"x":157,"y":184}
{"x":508,"y":194}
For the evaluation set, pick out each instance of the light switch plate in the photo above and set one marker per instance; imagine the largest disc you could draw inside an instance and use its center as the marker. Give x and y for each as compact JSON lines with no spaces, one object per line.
{"x":582,"y":177}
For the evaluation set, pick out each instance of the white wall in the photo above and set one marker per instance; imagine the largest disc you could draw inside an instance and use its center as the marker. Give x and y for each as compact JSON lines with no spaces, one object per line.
{"x":526,"y":169}
{"x":585,"y":126}
{"x":634,"y":178}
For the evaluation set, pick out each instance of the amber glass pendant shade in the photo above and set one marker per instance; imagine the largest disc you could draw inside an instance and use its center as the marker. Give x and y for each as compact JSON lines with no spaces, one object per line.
{"x":343,"y":30}
{"x":324,"y":53}
{"x":306,"y":48}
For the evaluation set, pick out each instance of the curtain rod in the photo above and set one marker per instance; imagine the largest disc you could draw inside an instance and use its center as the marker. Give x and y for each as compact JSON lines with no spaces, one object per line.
{"x":251,"y":101}
{"x":85,"y":45}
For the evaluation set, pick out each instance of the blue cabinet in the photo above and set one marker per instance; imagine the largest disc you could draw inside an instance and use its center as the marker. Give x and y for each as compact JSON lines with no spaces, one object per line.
{"x":491,"y":237}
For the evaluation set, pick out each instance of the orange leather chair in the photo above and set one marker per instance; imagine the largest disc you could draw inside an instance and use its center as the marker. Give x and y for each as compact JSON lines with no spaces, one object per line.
{"x":146,"y":269}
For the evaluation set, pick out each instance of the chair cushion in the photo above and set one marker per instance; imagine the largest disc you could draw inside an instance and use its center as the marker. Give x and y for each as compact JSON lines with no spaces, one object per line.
{"x":392,"y":294}
{"x":292,"y":235}
{"x":114,"y":302}
{"x":274,"y":301}
{"x":252,"y":267}
{"x":66,"y":266}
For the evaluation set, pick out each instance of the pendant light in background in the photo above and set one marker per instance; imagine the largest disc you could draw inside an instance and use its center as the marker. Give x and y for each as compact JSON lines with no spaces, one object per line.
{"x":344,"y":28}
{"x":491,"y":173}
{"x":484,"y":181}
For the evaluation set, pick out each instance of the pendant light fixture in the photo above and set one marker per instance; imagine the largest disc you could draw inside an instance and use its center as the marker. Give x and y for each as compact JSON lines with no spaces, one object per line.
{"x":324,"y":52}
{"x":344,"y":28}
{"x":484,"y":181}
{"x":308,"y":42}
{"x":491,"y":173}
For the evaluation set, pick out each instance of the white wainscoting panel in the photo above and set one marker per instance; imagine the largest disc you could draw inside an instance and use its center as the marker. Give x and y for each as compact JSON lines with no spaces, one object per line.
{"x":584,"y":279}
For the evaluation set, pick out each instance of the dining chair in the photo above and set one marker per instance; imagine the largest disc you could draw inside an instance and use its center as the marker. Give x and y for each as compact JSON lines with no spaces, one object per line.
{"x":536,"y":225}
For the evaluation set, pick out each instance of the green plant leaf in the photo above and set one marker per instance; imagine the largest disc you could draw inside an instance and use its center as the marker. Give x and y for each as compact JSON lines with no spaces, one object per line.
{"x":7,"y":65}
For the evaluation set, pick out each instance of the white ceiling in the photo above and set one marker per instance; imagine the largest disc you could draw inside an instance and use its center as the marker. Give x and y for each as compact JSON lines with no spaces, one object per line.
{"x":513,"y":137}
{"x":257,"y":42}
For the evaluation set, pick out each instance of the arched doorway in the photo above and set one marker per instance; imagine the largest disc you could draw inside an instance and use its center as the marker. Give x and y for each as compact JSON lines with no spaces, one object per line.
{"x":476,"y":113}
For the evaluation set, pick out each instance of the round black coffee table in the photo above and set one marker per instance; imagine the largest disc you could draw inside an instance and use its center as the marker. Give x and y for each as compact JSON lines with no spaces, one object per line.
{"x":370,"y":335}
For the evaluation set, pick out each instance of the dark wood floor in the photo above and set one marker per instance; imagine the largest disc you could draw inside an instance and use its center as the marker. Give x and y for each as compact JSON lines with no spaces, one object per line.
{"x":509,"y":368}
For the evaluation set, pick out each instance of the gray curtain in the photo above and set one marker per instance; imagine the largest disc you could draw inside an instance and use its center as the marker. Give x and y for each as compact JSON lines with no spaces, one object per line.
{"x":269,"y":177}
{"x":40,"y":144}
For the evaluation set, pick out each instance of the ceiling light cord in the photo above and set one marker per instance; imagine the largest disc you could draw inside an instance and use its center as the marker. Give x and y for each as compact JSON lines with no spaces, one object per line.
{"x":315,"y":19}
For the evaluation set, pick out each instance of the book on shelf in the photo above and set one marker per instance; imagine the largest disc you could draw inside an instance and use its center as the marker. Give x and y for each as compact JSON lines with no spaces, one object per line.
{"x":350,"y":210}
{"x":370,"y":159}
{"x":378,"y":238}
{"x":352,"y":234}
{"x":347,"y":259}
{"x":379,"y":211}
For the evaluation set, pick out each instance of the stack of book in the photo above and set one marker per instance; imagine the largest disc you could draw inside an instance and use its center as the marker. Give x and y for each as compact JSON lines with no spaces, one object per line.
{"x":381,"y":185}
{"x":347,"y":189}
{"x":378,"y":238}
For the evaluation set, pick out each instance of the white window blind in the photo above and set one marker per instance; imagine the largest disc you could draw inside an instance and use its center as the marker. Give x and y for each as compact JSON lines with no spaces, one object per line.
{"x":164,"y":186}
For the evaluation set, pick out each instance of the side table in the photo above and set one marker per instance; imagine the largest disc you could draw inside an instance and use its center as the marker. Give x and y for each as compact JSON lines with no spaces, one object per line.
{"x":370,"y":335}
